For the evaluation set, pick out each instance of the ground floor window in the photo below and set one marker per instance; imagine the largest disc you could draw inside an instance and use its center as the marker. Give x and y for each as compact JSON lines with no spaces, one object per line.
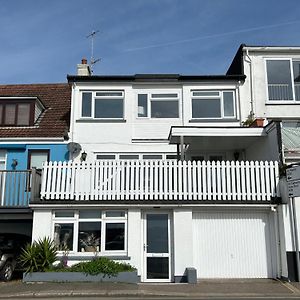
{"x":90,"y":231}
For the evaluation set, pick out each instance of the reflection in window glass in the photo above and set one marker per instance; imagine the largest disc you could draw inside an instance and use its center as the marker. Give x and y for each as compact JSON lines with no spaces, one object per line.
{"x":152,"y":156}
{"x":114,"y":236}
{"x":23,"y":116}
{"x":86,"y":110}
{"x":115,"y":214}
{"x":206,"y":108}
{"x":90,"y":214}
{"x":109,"y":108}
{"x":228,"y":104}
{"x":64,"y":214}
{"x":296,"y":69}
{"x":142,"y":105}
{"x":10,"y":113}
{"x":164,"y":109}
{"x":89,"y":237}
{"x":279,"y":80}
{"x":63,"y":236}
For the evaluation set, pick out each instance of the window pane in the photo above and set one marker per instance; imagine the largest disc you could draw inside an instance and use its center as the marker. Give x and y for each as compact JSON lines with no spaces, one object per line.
{"x":296,"y":69}
{"x":164,"y":109}
{"x":114,"y":236}
{"x":64,"y":214}
{"x":157,"y":267}
{"x":63,"y":236}
{"x":128,"y":156}
{"x":10,"y":112}
{"x":228,"y":104}
{"x":23,"y":116}
{"x":37,"y":159}
{"x":86,"y":109}
{"x":142,"y":105}
{"x":164,"y":95}
{"x":157,"y":233}
{"x":89,"y":237}
{"x":115,"y":214}
{"x":152,"y":156}
{"x":109,"y":108}
{"x":205,"y":93}
{"x":279,"y":80}
{"x":206,"y":108}
{"x":171,"y":156}
{"x":110,"y":94}
{"x":90,"y":214}
{"x":215,"y":158}
{"x":105,"y":156}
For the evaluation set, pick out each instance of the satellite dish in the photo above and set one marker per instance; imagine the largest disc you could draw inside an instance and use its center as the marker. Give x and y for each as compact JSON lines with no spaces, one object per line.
{"x":74,"y":147}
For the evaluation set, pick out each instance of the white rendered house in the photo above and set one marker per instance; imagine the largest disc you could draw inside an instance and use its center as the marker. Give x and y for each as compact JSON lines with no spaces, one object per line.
{"x":163,"y":175}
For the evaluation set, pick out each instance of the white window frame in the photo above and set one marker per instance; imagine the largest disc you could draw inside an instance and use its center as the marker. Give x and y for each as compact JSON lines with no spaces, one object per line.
{"x":294,"y":101}
{"x":75,"y":220}
{"x":220,"y":97}
{"x":140,"y":155}
{"x":149,"y":94}
{"x":93,"y":102}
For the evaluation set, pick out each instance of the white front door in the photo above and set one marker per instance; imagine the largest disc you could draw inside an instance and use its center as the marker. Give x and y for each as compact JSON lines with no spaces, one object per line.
{"x":157,"y":253}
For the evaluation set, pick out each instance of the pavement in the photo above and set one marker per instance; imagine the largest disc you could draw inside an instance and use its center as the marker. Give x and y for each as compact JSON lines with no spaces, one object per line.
{"x":204,"y":288}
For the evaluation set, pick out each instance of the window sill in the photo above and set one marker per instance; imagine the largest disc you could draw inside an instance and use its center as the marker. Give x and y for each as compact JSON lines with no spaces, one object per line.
{"x":283,"y":103}
{"x":101,"y":121}
{"x":80,"y":256}
{"x":212,"y":120}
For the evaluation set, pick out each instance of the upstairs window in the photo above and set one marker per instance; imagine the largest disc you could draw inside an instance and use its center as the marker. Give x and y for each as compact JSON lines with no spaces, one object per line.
{"x":283,"y":76}
{"x":213,"y":104}
{"x":158,"y":105}
{"x":16,"y":113}
{"x":102,"y":105}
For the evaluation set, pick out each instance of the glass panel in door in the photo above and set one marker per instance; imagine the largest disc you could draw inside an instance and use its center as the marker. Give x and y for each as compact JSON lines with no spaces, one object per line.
{"x":157,"y":247}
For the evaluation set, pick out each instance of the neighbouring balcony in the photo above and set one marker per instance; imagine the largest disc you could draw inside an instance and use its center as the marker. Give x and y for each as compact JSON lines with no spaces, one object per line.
{"x":164,"y":180}
{"x":18,"y":188}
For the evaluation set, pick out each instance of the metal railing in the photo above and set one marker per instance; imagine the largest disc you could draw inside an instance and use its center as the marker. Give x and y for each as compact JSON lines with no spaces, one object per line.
{"x":17,"y":188}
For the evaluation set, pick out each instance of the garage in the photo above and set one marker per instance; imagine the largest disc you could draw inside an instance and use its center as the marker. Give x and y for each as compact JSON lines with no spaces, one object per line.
{"x":234,"y":244}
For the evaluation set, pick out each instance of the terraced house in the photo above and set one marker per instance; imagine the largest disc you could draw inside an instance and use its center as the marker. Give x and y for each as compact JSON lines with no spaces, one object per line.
{"x":169,"y":171}
{"x":34,"y":120}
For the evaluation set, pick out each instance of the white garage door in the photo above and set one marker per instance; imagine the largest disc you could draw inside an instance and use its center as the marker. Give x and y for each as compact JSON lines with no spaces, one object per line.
{"x":232,"y":245}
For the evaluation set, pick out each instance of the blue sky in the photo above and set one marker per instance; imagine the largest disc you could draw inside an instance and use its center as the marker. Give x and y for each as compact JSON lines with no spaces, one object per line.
{"x":42,"y":41}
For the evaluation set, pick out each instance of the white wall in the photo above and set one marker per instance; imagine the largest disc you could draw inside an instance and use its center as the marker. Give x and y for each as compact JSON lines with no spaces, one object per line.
{"x":137,"y":135}
{"x":42,"y":224}
{"x":266,"y":148}
{"x":183,"y":240}
{"x":260,"y":97}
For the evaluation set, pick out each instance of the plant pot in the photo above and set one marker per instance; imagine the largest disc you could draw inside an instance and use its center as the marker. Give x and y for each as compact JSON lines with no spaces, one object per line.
{"x":259,"y":122}
{"x":90,"y":249}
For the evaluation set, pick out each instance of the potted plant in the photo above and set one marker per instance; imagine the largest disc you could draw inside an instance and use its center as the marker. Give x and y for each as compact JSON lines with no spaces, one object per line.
{"x":90,"y":243}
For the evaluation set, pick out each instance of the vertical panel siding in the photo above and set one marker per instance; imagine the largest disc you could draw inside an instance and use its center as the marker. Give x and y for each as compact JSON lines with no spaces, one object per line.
{"x":232,"y":245}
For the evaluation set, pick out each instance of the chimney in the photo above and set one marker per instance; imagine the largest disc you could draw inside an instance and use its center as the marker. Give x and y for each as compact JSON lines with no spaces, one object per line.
{"x":83,"y":69}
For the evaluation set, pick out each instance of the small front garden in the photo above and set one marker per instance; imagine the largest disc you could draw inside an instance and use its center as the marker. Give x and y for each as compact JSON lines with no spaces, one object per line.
{"x":41,"y":263}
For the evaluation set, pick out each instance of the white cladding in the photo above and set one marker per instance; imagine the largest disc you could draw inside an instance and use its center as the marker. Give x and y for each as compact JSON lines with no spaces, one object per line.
{"x":232,"y":244}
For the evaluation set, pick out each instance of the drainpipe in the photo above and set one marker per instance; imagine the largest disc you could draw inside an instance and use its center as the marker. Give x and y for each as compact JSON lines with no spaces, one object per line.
{"x":249,"y":61}
{"x":72,"y":121}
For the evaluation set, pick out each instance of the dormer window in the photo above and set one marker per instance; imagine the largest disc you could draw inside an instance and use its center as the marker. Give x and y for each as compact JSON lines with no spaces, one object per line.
{"x":14,"y":112}
{"x":283,"y":76}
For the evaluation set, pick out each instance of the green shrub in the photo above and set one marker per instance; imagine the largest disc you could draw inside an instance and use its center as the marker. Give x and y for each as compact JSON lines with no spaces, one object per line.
{"x":96,"y":266}
{"x":39,"y":256}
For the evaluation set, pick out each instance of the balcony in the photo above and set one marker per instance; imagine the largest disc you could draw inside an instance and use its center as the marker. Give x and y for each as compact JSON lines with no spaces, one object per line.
{"x":18,"y":188}
{"x":161,"y":180}
{"x":284,"y":92}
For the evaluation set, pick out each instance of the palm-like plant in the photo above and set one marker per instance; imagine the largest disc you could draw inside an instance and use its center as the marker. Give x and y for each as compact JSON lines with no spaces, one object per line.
{"x":39,"y":256}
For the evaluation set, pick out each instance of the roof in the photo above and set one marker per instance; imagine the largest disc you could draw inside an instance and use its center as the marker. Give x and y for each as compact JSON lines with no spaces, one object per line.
{"x":53,"y":122}
{"x":155,"y":78}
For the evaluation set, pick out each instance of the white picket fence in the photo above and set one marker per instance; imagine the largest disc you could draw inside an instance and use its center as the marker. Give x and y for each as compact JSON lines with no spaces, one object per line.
{"x":160,"y":180}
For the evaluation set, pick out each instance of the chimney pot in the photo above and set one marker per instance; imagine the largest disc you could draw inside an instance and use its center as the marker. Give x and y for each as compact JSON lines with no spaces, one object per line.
{"x":84,"y":61}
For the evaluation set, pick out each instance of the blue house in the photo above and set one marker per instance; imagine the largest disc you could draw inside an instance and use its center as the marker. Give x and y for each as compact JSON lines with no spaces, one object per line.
{"x":34,"y":122}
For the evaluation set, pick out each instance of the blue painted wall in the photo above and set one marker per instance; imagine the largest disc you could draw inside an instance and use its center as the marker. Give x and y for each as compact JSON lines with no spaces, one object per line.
{"x":58,"y":152}
{"x":16,"y":184}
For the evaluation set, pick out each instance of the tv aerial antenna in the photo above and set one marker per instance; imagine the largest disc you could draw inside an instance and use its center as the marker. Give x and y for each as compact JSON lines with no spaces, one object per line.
{"x":93,"y":60}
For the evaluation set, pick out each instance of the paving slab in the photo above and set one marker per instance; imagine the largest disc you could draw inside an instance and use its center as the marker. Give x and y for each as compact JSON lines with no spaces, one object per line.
{"x":217,"y":288}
